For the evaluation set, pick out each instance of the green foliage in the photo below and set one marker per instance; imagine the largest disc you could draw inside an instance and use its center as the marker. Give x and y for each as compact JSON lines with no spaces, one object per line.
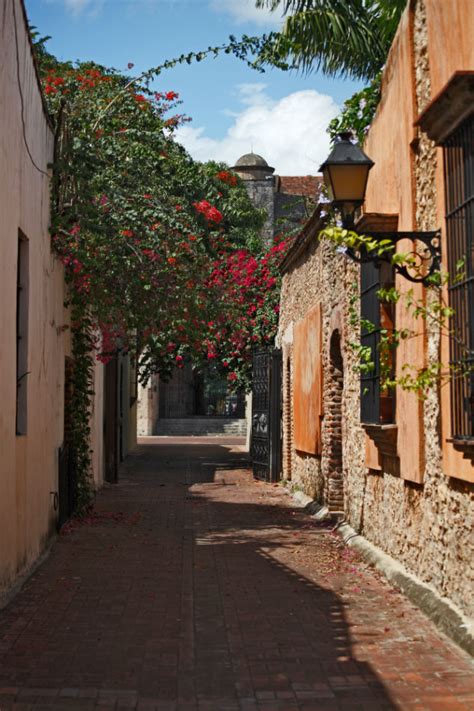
{"x":357,"y":113}
{"x":340,"y":37}
{"x":428,"y":310}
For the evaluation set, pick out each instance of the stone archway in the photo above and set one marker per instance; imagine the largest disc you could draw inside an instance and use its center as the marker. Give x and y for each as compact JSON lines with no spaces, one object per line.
{"x":333,"y":417}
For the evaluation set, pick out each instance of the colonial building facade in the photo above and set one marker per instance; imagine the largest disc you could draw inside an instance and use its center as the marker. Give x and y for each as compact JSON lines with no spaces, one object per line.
{"x":400,"y":472}
{"x":36,"y":471}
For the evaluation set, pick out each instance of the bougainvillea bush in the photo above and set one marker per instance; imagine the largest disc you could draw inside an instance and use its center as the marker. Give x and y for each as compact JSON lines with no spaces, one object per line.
{"x":139,"y":225}
{"x":162,"y":254}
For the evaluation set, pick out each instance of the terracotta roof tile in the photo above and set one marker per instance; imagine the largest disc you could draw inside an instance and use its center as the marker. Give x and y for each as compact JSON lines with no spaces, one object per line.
{"x":308,"y":185}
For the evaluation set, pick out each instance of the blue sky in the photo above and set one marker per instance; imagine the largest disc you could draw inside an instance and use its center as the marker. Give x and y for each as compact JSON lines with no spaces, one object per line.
{"x":279,"y":114}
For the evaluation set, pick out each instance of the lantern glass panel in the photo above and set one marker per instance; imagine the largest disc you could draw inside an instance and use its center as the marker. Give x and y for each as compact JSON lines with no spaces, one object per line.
{"x":347,"y":182}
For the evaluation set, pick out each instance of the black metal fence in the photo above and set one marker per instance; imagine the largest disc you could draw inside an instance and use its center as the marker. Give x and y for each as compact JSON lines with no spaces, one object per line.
{"x":265,"y":449}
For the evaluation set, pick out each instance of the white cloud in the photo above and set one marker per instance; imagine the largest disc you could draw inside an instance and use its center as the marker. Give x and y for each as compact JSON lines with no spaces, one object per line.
{"x":289,"y":133}
{"x":239,"y":10}
{"x":76,"y":6}
{"x":245,"y":11}
{"x":92,"y":7}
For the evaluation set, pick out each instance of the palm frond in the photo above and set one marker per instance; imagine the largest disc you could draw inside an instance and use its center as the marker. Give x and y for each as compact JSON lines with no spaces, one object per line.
{"x":340,"y":37}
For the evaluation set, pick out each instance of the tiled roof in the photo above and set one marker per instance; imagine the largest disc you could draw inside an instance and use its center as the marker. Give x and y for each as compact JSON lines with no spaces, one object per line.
{"x":308,"y":185}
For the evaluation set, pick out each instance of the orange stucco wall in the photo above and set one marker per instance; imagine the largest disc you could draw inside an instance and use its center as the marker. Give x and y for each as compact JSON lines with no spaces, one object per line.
{"x":391,"y":190}
{"x":28,"y":463}
{"x":450,"y":39}
{"x":390,"y":186}
{"x":392,"y":144}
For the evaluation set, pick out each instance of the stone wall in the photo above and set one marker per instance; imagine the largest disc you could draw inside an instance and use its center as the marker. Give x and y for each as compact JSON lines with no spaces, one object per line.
{"x":427,"y":526}
{"x":322,"y":275}
{"x":262,"y":196}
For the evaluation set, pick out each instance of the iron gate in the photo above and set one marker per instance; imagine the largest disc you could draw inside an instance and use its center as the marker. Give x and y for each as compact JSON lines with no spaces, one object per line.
{"x":266,"y":414}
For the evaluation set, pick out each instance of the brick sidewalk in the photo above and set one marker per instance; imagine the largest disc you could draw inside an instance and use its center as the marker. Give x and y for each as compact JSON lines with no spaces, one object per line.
{"x":194,"y":587}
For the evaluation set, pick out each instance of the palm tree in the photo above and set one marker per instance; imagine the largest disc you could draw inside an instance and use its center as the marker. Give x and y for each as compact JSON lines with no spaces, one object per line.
{"x":341,"y":37}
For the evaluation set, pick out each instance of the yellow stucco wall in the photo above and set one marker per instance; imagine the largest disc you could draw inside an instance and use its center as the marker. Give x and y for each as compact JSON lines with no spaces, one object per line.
{"x":28,"y":463}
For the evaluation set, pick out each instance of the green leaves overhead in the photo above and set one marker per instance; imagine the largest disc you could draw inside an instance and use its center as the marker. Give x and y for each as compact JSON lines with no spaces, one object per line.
{"x":340,"y":37}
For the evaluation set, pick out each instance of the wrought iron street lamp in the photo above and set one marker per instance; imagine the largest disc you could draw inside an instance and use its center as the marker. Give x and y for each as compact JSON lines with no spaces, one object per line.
{"x":345,"y":173}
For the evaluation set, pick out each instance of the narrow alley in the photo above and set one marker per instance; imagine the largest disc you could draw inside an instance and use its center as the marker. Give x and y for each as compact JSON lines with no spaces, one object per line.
{"x":192,"y":586}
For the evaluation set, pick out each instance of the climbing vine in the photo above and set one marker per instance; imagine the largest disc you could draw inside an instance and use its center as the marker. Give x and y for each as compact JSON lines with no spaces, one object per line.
{"x":357,"y":112}
{"x":430,"y":309}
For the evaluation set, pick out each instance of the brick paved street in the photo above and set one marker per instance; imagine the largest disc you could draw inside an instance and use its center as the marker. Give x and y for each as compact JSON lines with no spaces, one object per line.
{"x":194,"y":587}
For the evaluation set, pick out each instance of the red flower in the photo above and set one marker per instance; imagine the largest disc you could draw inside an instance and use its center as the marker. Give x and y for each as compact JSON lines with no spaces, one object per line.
{"x":171,"y":260}
{"x":227,"y":177}
{"x":139,"y":98}
{"x":202,"y":206}
{"x":232,"y":377}
{"x":171,"y":96}
{"x":127,"y":233}
{"x":210,"y":213}
{"x":213,"y":215}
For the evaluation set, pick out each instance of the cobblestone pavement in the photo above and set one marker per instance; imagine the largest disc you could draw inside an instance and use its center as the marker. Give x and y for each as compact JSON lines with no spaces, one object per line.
{"x":194,"y":587}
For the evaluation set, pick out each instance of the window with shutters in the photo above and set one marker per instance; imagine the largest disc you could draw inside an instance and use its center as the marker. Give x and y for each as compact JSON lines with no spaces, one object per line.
{"x":378,"y":317}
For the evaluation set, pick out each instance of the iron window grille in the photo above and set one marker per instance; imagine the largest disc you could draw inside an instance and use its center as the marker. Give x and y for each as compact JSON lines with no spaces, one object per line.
{"x":378,"y":316}
{"x":459,"y":179}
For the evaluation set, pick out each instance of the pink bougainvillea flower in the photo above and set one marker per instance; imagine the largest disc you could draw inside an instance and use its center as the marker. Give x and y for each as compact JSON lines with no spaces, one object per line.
{"x":203,"y":206}
{"x":214,"y":215}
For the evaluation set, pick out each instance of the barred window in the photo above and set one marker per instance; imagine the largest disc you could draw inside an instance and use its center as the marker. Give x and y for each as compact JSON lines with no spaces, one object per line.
{"x":459,"y":179}
{"x":377,"y":403}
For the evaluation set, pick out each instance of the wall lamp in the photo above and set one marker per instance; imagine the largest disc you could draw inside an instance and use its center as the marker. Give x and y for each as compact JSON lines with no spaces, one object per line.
{"x":345,"y":173}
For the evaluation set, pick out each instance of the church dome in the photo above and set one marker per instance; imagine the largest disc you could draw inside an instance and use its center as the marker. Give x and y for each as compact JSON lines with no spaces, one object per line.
{"x":252,"y":160}
{"x":251,"y":166}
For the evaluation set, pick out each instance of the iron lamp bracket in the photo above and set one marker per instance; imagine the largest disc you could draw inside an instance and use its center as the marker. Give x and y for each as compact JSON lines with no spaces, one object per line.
{"x":424,"y":254}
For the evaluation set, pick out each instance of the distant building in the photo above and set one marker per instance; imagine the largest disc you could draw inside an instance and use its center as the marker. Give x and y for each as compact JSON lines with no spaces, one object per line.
{"x":288,"y":201}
